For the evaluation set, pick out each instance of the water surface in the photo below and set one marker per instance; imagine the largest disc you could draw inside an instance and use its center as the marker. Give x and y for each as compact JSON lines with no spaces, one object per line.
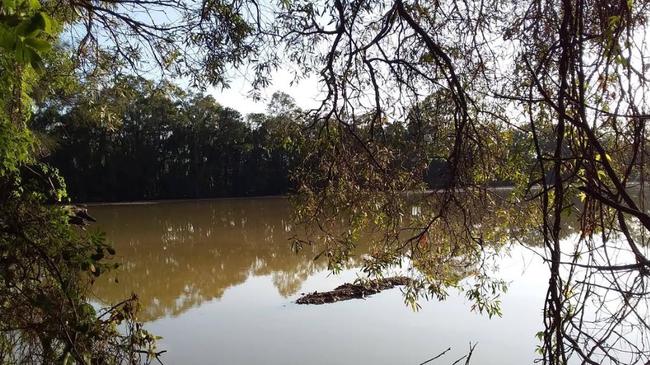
{"x":217,"y":280}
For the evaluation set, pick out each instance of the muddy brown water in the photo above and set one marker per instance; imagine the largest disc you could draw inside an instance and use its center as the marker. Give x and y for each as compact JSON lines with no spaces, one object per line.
{"x":218,"y":281}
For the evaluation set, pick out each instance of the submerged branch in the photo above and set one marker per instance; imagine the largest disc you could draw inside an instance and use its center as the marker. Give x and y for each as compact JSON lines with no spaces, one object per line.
{"x":353,"y":291}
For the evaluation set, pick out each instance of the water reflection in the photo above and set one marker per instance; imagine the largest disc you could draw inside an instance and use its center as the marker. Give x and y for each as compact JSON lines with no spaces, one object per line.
{"x":182,"y":257}
{"x":178,"y":255}
{"x":216,"y":280}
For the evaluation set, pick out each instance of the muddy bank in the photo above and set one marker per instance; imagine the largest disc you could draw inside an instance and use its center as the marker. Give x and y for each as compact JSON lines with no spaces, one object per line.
{"x":353,"y":291}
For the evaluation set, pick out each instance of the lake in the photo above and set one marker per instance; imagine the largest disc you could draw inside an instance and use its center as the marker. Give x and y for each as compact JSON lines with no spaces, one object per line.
{"x":217,"y":279}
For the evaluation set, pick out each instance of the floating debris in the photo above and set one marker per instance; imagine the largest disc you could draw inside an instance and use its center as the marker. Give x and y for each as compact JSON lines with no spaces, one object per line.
{"x":353,"y":291}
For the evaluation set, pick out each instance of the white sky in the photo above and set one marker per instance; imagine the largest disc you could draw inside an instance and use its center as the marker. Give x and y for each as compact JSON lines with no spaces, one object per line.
{"x":305,"y":92}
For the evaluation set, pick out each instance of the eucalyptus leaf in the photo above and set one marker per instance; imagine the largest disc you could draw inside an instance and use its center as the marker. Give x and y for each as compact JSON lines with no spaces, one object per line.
{"x":38,"y":44}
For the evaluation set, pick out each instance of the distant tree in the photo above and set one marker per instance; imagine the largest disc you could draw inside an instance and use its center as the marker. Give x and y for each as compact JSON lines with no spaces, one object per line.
{"x":178,"y":145}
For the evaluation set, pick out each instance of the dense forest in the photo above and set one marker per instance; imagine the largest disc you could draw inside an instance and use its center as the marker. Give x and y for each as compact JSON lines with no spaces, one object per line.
{"x":140,"y":140}
{"x":161,"y":143}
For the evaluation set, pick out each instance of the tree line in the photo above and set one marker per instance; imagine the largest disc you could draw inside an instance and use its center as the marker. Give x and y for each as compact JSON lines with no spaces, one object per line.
{"x":139,"y":140}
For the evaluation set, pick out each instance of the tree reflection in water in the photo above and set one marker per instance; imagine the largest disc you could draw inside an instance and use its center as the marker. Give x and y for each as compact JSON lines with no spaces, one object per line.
{"x":177,"y":255}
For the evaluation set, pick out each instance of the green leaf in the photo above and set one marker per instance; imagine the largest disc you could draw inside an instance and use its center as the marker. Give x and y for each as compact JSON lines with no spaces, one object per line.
{"x":34,"y":4}
{"x":21,"y":52}
{"x":39,"y":22}
{"x":33,"y":26}
{"x":45,"y":21}
{"x":88,"y":310}
{"x":36,"y":61}
{"x":7,"y":40}
{"x":9,"y":6}
{"x":38,"y":44}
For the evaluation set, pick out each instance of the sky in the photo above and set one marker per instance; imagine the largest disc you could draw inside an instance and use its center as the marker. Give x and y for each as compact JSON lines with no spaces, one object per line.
{"x":305,"y":92}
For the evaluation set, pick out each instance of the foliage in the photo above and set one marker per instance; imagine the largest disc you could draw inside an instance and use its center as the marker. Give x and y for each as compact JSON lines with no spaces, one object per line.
{"x":46,"y":267}
{"x":179,"y":145}
{"x":24,"y":31}
{"x":46,"y":264}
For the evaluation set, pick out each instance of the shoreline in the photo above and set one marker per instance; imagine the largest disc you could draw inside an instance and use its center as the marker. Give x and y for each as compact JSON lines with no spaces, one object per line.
{"x":630,"y":185}
{"x":179,"y":200}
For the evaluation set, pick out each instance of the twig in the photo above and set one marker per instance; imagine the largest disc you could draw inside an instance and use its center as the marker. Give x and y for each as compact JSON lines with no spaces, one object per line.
{"x":437,"y":356}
